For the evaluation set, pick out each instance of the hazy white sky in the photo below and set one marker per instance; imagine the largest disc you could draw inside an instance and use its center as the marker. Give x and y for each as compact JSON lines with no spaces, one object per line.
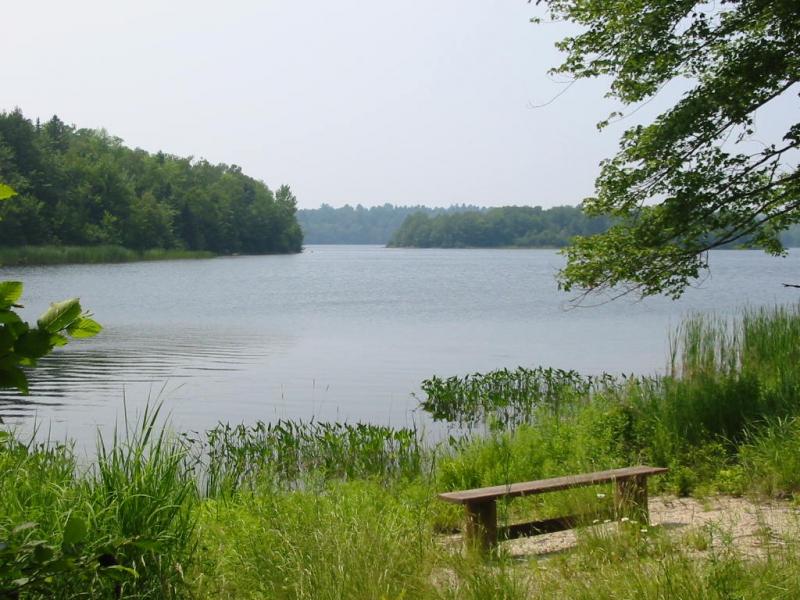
{"x":415,"y":102}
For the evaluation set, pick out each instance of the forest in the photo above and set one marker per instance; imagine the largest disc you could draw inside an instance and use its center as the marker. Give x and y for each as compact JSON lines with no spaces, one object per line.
{"x":517,"y":227}
{"x":361,"y":225}
{"x":83,"y":187}
{"x":508,"y":226}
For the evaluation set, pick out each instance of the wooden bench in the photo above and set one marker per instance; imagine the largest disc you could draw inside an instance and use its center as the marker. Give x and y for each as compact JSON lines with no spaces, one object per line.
{"x":630,"y":500}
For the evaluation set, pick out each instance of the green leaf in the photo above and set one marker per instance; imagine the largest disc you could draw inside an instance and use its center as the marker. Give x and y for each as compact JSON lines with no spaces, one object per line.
{"x":8,"y":316}
{"x":6,"y":191}
{"x":84,"y":327}
{"x":60,"y":315}
{"x":75,"y":530}
{"x":148,"y":544}
{"x":56,"y":339}
{"x":122,"y":569}
{"x":10,"y":293}
{"x":33,"y":344}
{"x":7,"y":339}
{"x":13,"y":377}
{"x":42,"y":553}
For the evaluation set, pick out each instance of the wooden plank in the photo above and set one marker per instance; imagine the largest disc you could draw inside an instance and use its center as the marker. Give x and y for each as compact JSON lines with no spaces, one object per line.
{"x":550,"y":485}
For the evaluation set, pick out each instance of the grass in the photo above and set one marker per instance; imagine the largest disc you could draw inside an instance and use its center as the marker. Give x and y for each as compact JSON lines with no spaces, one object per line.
{"x":123,"y":528}
{"x":301,"y":510}
{"x":58,"y":255}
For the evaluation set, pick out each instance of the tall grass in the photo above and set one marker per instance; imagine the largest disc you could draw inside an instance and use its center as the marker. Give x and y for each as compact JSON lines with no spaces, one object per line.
{"x":770,"y":457}
{"x":123,"y":529}
{"x":289,"y":453}
{"x":349,"y":540}
{"x":142,"y":491}
{"x":57,"y":255}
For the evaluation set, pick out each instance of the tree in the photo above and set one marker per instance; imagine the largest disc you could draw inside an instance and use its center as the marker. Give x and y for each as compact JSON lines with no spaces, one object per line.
{"x":690,"y":180}
{"x":84,"y":187}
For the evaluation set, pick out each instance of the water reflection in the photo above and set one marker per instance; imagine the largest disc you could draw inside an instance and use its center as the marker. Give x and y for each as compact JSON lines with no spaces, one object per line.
{"x":121,"y":358}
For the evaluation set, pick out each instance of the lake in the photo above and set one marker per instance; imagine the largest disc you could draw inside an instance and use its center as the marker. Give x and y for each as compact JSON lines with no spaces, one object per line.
{"x":340,"y":332}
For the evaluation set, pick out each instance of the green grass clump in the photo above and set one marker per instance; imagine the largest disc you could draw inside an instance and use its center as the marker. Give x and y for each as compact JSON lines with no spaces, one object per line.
{"x":345,"y":540}
{"x":59,"y":255}
{"x":770,"y":457}
{"x":122,"y":529}
{"x":291,"y":452}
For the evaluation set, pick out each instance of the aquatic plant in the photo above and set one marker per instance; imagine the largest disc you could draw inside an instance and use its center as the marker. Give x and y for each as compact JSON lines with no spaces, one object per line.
{"x":289,"y":452}
{"x":506,"y":398}
{"x":57,"y":255}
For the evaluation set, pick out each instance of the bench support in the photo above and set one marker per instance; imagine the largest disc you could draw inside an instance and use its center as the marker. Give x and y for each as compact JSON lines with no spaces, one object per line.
{"x":630,"y":499}
{"x":481,"y":531}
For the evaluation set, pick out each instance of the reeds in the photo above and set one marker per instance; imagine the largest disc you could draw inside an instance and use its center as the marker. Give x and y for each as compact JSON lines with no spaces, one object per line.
{"x":289,"y":453}
{"x":58,"y":255}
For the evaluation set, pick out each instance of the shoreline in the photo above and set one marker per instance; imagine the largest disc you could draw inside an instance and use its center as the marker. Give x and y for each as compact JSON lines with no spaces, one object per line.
{"x":33,"y":256}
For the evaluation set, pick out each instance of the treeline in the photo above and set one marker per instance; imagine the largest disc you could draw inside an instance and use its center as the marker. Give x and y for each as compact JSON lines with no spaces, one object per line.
{"x":791,"y":237}
{"x":508,"y":226}
{"x":83,"y":187}
{"x":360,"y":225}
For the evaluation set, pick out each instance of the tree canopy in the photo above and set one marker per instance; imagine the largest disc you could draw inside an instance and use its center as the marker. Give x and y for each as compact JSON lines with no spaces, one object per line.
{"x":507,"y":226}
{"x":361,"y":225}
{"x":84,"y":187}
{"x":699,"y":176}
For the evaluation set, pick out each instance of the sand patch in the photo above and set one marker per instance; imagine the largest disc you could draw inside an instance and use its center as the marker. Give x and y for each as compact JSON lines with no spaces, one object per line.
{"x":750,"y":527}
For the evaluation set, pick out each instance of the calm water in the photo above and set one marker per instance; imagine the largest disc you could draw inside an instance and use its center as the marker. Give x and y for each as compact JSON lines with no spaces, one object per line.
{"x":339,"y":332}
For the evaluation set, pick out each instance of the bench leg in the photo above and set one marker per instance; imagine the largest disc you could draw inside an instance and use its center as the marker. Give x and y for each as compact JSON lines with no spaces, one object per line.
{"x":630,"y":499}
{"x":481,"y":532}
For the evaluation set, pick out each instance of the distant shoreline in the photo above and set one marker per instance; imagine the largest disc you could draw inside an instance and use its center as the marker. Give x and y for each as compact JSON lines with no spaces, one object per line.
{"x":22,"y":256}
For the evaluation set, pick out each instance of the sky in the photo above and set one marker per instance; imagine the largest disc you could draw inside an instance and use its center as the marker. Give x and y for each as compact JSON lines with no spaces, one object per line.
{"x":348,"y":102}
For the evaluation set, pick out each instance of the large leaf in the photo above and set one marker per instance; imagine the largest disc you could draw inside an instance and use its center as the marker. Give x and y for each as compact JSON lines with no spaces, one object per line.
{"x":75,"y":530}
{"x":8,"y":316}
{"x":6,"y":192}
{"x":7,"y":339}
{"x":60,"y":315}
{"x":42,"y":553}
{"x":33,"y":344}
{"x":84,"y":327}
{"x":13,"y":377}
{"x":10,"y":293}
{"x":57,"y":339}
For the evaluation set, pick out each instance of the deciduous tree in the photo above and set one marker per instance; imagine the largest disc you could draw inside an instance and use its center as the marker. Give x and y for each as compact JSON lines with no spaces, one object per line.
{"x":693,"y":179}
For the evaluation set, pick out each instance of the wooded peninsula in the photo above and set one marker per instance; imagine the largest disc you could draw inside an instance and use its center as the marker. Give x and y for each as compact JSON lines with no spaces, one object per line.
{"x":83,"y":187}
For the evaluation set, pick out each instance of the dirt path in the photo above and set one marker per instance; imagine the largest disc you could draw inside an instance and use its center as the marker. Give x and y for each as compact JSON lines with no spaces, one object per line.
{"x":750,"y":526}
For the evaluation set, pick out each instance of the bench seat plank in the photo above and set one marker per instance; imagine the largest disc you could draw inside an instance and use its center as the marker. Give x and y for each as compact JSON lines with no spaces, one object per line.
{"x":548,"y":485}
